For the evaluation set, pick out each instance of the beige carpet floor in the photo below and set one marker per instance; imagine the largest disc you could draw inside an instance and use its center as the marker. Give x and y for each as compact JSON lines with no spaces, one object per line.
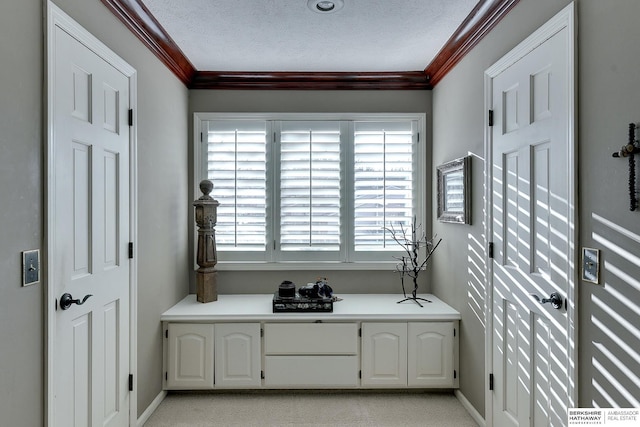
{"x":310,"y":408}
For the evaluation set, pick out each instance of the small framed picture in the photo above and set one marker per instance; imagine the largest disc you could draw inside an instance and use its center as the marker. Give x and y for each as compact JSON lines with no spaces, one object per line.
{"x":454,"y":191}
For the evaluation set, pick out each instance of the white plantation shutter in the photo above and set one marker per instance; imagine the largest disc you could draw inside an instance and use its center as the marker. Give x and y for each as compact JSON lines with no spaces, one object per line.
{"x":310,"y":186}
{"x":237,"y":166}
{"x":384,"y":175}
{"x":312,"y":190}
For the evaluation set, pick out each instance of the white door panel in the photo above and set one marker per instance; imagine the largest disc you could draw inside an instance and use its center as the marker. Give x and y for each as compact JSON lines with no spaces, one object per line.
{"x":190,"y":356}
{"x":384,"y":354}
{"x":532,"y":230}
{"x":89,"y":240}
{"x":237,"y":355}
{"x":430,"y":354}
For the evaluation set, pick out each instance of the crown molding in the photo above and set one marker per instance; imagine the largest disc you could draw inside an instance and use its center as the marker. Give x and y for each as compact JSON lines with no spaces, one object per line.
{"x":480,"y":21}
{"x":310,"y":80}
{"x":135,"y":15}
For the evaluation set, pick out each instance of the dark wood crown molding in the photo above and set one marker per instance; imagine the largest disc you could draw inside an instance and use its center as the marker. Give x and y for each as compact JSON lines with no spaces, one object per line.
{"x":310,"y":80}
{"x":480,"y":21}
{"x":135,"y":15}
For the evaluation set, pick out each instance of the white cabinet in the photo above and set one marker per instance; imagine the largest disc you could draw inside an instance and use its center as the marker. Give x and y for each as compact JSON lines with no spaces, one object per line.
{"x":237,"y":355}
{"x":431,"y":354}
{"x":311,"y":338}
{"x":318,"y":355}
{"x":207,"y":355}
{"x":384,"y":354}
{"x":413,"y":354}
{"x":189,"y":356}
{"x":369,"y":341}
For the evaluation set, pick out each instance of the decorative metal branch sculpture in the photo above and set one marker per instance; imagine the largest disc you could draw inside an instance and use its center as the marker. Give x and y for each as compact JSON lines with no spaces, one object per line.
{"x":413,"y":242}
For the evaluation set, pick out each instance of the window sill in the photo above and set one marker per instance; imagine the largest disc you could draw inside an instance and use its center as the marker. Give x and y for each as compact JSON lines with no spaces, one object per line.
{"x":304,"y":266}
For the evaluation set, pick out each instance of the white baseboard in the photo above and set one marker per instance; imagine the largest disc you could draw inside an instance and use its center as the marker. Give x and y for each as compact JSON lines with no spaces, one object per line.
{"x":151,"y":408}
{"x":470,"y":409}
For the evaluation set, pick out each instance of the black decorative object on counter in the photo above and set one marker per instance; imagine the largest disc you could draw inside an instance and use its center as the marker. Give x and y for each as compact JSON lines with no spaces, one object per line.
{"x":287,"y":289}
{"x":313,"y":297}
{"x":300,"y":304}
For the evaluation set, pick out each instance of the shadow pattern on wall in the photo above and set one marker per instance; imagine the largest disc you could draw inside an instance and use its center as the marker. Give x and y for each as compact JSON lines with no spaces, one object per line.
{"x":615,"y":318}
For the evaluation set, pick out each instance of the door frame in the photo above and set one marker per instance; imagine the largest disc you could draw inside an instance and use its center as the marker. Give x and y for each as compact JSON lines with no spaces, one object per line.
{"x":566,"y":18}
{"x":55,"y":17}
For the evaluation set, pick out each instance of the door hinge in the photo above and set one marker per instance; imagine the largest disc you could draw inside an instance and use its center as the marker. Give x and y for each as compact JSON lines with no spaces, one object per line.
{"x":130,"y":250}
{"x":360,"y":332}
{"x":201,"y":137}
{"x":490,"y":381}
{"x":130,"y":382}
{"x":130,"y":117}
{"x":490,"y":250}
{"x":454,"y":332}
{"x":261,"y":332}
{"x":166,"y":376}
{"x":490,"y":117}
{"x":261,"y":375}
{"x":360,"y":374}
{"x":455,"y":374}
{"x":166,"y":333}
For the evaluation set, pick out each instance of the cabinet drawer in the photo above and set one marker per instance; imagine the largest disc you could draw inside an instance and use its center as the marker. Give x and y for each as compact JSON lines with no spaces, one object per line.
{"x":311,"y":371}
{"x":311,"y":338}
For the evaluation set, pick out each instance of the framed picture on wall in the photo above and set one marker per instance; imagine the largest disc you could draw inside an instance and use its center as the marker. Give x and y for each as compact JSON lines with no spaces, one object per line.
{"x":454,"y":191}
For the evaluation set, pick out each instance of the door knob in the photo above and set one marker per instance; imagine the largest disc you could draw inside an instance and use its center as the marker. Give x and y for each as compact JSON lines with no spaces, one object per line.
{"x":555,"y":299}
{"x":66,"y":300}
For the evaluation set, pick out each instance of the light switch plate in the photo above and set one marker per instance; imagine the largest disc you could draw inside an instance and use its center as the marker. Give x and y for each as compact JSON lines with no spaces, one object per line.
{"x":591,"y":265}
{"x":30,"y":267}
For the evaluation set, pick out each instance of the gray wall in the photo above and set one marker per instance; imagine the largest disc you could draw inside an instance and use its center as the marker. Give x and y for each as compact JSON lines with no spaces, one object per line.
{"x":384,"y":281}
{"x":21,"y":213}
{"x":609,"y":364}
{"x":162,"y":199}
{"x":608,"y":100}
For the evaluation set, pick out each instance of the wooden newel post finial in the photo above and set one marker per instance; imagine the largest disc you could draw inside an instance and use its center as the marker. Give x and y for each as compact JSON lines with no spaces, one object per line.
{"x":206,"y":211}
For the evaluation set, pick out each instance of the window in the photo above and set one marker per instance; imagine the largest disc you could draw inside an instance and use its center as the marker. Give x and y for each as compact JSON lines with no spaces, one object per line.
{"x":236,"y":156}
{"x":383,"y":182}
{"x":299,"y":188}
{"x":309,"y":181}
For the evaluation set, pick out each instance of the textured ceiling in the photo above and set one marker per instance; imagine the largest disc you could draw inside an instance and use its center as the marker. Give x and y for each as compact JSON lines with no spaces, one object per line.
{"x":286,"y":35}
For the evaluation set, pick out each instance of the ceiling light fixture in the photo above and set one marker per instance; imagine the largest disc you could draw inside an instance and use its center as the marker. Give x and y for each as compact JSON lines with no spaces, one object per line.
{"x":325,"y":6}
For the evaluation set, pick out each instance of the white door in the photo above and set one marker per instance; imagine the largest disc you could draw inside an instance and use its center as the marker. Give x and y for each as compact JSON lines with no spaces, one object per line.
{"x":89,"y":236}
{"x":533,"y":196}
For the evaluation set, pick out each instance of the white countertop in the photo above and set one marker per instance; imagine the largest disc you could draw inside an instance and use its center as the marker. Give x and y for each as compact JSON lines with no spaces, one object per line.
{"x":253,"y":307}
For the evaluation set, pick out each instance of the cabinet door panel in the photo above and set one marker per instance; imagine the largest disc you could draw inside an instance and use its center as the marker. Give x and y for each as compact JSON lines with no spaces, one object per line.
{"x":430,"y":355}
{"x":190,"y":356}
{"x":384,"y":354}
{"x":237,"y":355}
